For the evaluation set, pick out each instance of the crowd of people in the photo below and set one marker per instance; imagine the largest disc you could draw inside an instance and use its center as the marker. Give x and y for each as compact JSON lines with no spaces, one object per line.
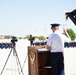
{"x":66,"y":44}
{"x":5,"y":45}
{"x":37,"y":43}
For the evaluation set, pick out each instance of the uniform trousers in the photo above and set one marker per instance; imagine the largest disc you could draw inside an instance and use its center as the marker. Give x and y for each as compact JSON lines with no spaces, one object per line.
{"x":56,"y":61}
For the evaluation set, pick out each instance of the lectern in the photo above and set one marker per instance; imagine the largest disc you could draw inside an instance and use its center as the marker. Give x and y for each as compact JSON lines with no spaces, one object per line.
{"x":39,"y":61}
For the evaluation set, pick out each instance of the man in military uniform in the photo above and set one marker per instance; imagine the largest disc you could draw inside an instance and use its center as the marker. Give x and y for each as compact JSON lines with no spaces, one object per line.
{"x":55,"y":44}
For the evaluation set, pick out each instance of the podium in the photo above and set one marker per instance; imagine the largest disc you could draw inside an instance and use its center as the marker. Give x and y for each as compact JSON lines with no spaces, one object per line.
{"x":39,"y":61}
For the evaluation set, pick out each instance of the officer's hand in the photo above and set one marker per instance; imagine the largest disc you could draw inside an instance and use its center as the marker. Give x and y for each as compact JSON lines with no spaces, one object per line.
{"x":65,"y":30}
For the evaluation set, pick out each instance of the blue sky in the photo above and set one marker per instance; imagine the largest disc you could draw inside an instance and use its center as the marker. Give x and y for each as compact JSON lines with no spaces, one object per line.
{"x":22,"y":17}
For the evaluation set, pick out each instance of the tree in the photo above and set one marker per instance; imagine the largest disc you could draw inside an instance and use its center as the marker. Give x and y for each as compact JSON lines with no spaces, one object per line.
{"x":38,"y":37}
{"x":27,"y":36}
{"x":20,"y":37}
{"x":7,"y":37}
{"x":71,"y":34}
{"x":42,"y":38}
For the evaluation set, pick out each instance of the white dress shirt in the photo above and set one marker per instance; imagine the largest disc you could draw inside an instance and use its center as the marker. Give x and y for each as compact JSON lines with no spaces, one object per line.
{"x":56,"y":41}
